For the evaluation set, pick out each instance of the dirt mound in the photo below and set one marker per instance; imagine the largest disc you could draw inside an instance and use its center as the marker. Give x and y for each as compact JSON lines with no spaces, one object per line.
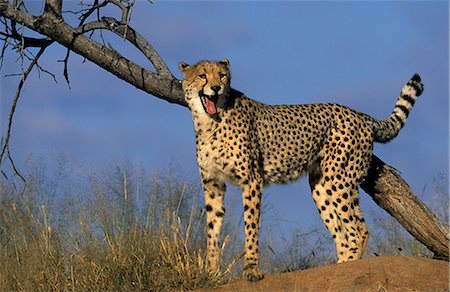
{"x":373,"y":274}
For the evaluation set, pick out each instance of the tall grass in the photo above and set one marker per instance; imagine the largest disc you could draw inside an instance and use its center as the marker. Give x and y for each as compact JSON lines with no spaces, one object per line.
{"x":120,"y":236}
{"x":123,"y":229}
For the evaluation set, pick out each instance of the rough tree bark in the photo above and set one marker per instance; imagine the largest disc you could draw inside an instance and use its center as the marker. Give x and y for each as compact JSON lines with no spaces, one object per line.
{"x":383,"y":183}
{"x":161,"y":84}
{"x":392,"y":193}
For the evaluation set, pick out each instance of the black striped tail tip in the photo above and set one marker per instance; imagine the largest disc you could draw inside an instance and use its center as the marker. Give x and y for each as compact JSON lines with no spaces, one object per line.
{"x":416,"y":78}
{"x":416,"y":83}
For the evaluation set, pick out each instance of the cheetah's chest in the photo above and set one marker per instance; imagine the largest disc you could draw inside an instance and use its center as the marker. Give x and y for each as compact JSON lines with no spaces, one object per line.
{"x":222,"y":150}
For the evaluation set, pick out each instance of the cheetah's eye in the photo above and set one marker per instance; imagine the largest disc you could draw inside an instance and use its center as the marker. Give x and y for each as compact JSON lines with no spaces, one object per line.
{"x":202,"y":76}
{"x":222,"y":75}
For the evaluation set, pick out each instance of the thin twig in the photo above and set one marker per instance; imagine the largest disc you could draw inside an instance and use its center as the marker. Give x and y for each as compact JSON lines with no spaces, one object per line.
{"x":6,"y":148}
{"x":40,"y":69}
{"x":66,"y":70}
{"x":95,"y":7}
{"x":27,"y":42}
{"x":84,"y":16}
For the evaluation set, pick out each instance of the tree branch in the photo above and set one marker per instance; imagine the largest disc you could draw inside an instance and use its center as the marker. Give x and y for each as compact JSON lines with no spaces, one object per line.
{"x":95,"y":6}
{"x":5,"y":148}
{"x":27,"y":42}
{"x":160,"y":85}
{"x":54,"y":8}
{"x":133,"y":37}
{"x":392,"y":193}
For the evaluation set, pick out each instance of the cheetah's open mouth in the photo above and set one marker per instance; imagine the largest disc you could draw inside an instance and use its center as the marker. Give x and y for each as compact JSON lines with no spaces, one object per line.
{"x":209,"y":103}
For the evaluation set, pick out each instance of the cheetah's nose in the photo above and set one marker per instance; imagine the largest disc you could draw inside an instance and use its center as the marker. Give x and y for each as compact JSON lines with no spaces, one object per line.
{"x":215,"y":89}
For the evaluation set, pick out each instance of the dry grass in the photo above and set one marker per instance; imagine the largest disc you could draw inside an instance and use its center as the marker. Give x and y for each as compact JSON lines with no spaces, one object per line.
{"x":119,"y":239}
{"x":125,"y":230}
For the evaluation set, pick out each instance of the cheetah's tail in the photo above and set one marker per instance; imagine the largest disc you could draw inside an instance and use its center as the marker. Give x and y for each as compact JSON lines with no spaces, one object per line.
{"x":386,"y":130}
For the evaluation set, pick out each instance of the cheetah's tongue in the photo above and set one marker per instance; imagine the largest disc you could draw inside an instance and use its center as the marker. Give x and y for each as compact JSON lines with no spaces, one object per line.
{"x":210,"y":106}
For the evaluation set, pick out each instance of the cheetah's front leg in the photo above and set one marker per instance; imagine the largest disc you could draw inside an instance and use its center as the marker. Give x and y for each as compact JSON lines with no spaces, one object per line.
{"x":251,"y":194}
{"x":215,"y":211}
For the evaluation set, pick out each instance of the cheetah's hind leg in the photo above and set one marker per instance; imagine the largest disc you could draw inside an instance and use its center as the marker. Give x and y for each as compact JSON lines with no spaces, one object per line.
{"x":341,"y":214}
{"x":334,"y":184}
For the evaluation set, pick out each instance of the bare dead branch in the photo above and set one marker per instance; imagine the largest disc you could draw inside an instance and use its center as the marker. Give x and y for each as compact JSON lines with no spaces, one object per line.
{"x":160,"y":85}
{"x":133,"y":37}
{"x":95,"y":7}
{"x":125,"y":10}
{"x":392,"y":193}
{"x":2,"y":54}
{"x":53,"y":7}
{"x":13,"y":165}
{"x":6,"y":148}
{"x":66,"y":67}
{"x":27,"y":42}
{"x":41,"y":69}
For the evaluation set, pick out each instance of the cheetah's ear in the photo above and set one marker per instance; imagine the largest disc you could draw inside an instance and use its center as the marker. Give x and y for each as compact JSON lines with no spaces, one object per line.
{"x":183,"y":66}
{"x":225,"y":62}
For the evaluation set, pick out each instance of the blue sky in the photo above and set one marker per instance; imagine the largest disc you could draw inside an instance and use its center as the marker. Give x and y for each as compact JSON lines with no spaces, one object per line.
{"x":358,"y":54}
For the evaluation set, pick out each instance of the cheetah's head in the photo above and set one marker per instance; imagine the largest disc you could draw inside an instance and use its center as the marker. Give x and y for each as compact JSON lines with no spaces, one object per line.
{"x":206,"y":86}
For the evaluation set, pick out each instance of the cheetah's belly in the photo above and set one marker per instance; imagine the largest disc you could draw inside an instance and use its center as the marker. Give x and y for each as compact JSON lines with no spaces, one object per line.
{"x":288,"y":158}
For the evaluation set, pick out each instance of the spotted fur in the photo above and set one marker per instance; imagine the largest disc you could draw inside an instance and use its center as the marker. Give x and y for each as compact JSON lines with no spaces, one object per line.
{"x":251,"y":145}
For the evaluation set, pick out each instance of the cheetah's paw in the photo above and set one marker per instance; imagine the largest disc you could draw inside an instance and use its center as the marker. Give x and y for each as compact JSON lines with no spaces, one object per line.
{"x":252,"y":273}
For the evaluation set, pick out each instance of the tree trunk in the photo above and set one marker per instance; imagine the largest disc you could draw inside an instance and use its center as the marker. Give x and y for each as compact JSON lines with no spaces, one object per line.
{"x":392,"y":193}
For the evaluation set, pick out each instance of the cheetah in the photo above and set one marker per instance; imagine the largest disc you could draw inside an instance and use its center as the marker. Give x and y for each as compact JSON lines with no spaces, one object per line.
{"x":250,"y":144}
